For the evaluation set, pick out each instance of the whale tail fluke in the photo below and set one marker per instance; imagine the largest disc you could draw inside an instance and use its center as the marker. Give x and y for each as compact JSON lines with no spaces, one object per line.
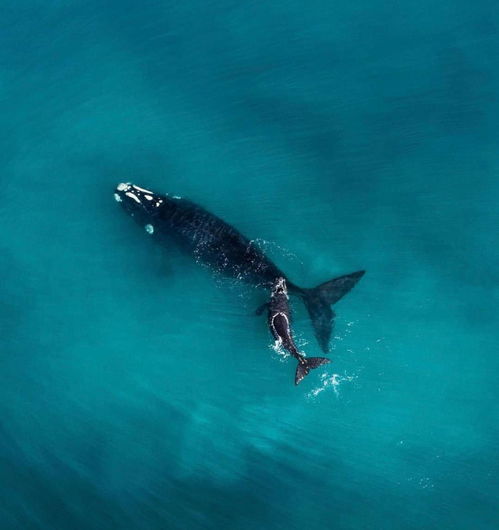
{"x":319,"y":300}
{"x":305,"y":364}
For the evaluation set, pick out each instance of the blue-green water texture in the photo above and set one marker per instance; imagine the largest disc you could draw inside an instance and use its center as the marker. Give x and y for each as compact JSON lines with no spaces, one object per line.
{"x":138,"y":390}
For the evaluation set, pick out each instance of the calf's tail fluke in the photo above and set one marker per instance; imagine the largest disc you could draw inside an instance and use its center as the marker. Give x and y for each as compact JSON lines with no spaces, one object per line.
{"x":305,"y":364}
{"x":319,"y":300}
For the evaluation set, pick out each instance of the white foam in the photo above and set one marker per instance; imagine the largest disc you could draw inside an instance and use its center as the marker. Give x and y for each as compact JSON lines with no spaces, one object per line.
{"x":331,"y":381}
{"x":281,"y":352}
{"x":117,"y":198}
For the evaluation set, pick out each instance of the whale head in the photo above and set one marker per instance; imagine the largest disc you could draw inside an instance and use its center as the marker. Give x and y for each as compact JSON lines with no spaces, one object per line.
{"x":279,"y":288}
{"x":138,"y":202}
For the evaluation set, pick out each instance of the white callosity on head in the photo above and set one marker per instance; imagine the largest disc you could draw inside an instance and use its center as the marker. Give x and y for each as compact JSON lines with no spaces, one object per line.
{"x":141,"y":189}
{"x":132,"y":196}
{"x":149,"y":229}
{"x":148,"y":197}
{"x":123,"y":186}
{"x":117,"y":198}
{"x":280,"y":288}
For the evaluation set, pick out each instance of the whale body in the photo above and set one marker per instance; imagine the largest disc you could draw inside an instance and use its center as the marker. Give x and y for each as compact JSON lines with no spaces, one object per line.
{"x":279,"y":320}
{"x":215,"y":243}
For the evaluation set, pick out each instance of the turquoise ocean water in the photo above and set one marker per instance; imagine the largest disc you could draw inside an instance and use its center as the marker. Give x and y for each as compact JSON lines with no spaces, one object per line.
{"x":137,"y":390}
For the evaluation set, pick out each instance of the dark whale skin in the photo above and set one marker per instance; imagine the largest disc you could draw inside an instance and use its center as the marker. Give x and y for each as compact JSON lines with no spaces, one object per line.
{"x":217,"y":244}
{"x":279,"y":322}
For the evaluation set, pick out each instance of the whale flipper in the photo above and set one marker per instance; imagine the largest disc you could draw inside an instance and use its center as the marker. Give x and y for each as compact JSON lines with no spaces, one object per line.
{"x":306,"y":364}
{"x":319,"y":300}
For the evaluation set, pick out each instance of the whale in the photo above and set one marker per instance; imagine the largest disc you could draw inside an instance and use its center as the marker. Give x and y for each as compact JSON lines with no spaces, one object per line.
{"x":279,"y":321}
{"x":213,"y":242}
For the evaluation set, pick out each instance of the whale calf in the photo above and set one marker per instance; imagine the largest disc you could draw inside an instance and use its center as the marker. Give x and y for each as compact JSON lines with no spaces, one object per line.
{"x":279,"y":320}
{"x":213,"y":242}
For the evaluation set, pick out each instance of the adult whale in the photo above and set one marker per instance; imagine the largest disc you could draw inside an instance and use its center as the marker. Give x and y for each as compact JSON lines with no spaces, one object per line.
{"x":214,"y":242}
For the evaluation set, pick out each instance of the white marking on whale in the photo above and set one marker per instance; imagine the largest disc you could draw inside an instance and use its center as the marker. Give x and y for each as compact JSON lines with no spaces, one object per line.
{"x":141,"y":189}
{"x":132,"y":196}
{"x":209,"y":240}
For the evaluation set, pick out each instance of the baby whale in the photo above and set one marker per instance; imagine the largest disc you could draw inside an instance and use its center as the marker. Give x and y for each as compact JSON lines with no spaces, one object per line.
{"x":279,"y":318}
{"x":213,"y":242}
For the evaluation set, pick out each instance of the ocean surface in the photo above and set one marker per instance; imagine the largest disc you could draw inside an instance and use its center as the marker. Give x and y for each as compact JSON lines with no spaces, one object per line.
{"x":137,"y":389}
